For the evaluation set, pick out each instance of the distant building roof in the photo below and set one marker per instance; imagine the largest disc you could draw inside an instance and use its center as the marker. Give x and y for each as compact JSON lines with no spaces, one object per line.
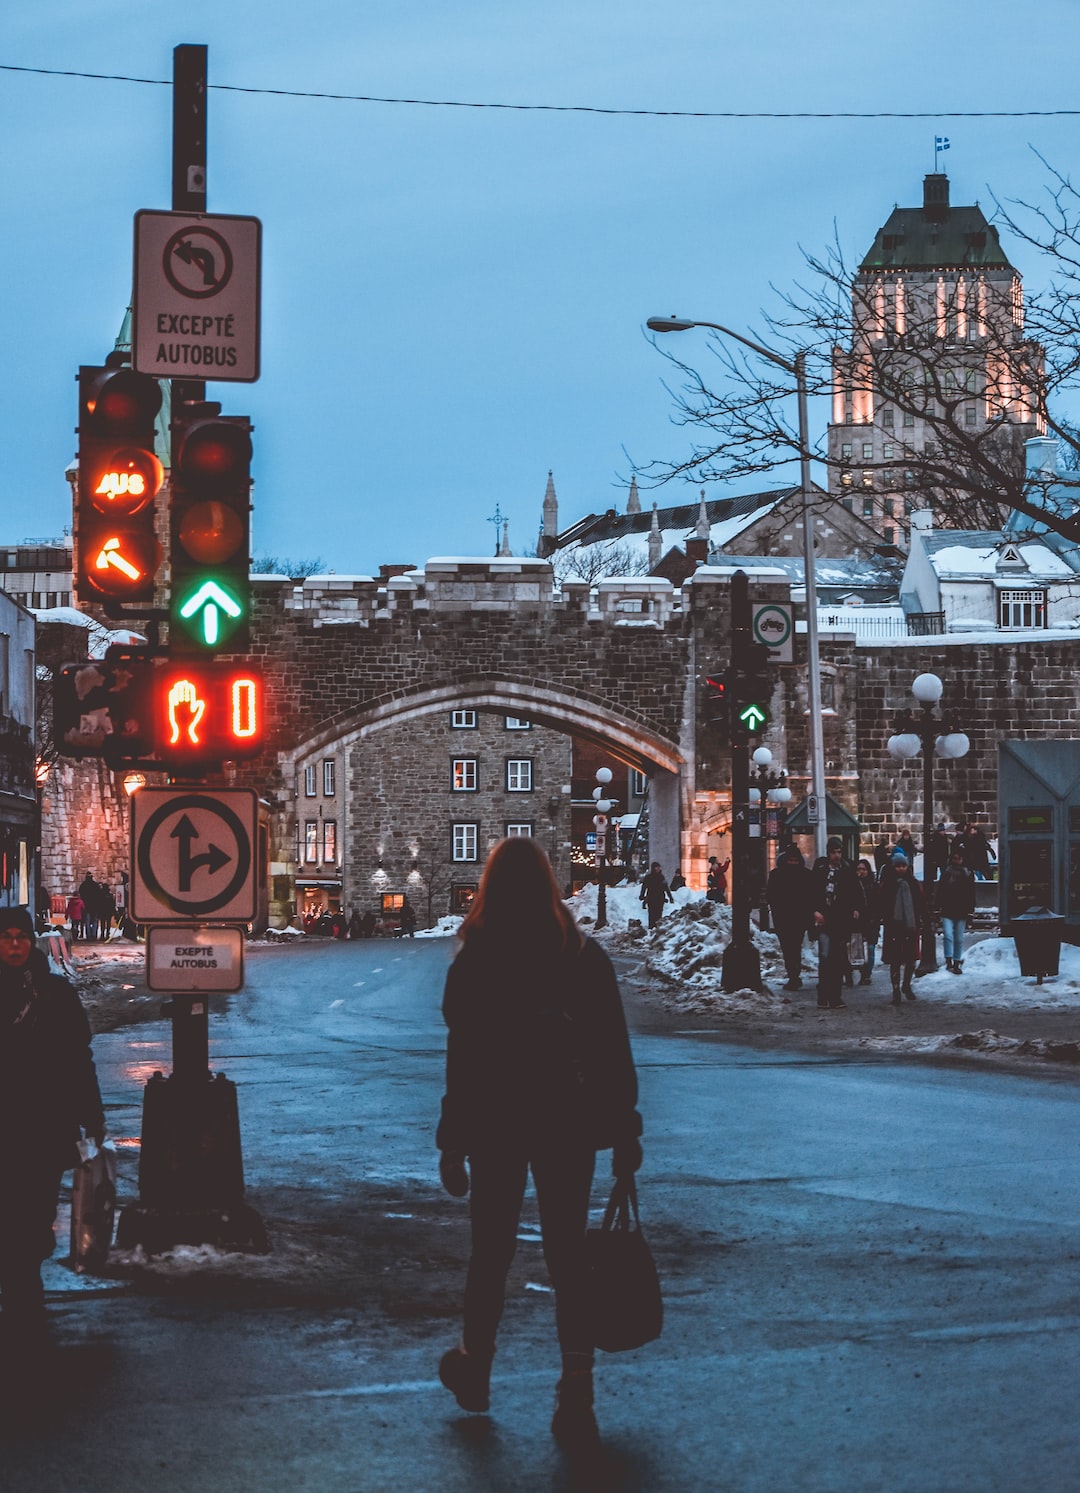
{"x":600,"y":528}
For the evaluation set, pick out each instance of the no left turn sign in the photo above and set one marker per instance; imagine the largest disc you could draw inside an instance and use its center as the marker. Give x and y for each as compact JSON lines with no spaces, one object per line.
{"x":193,"y":855}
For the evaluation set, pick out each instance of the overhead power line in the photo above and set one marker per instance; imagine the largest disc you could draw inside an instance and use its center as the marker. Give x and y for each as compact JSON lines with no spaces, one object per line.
{"x":442,"y":103}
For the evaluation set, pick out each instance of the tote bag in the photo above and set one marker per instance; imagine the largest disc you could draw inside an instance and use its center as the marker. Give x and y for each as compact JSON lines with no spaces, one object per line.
{"x":93,"y":1208}
{"x":628,"y":1309}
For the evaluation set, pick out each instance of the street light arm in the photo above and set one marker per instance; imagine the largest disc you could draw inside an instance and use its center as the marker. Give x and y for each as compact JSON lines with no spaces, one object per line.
{"x":674,"y":324}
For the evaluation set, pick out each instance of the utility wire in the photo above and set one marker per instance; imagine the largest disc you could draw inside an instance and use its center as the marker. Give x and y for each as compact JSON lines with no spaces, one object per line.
{"x":434,"y":103}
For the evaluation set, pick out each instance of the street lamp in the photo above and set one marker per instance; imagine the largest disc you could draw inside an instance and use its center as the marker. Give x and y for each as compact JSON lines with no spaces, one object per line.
{"x":767,"y":784}
{"x":603,"y":806}
{"x":797,"y":369}
{"x":931,"y":735}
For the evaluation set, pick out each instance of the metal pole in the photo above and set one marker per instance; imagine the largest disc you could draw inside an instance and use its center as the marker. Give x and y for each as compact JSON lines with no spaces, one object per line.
{"x":741,"y":968}
{"x":813,"y":656}
{"x":189,"y":166}
{"x":928,"y":731}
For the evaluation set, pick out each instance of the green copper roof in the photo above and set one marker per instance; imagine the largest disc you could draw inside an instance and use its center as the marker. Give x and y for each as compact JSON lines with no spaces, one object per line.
{"x":162,"y":444}
{"x":936,"y":236}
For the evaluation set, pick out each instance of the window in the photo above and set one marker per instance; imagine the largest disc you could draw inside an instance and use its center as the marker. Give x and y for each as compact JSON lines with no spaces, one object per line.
{"x":867,"y":451}
{"x":515,"y":723}
{"x":909,"y":478}
{"x":519,"y":775}
{"x":311,"y":841}
{"x":867,"y":507}
{"x":828,"y":691}
{"x":462,"y":895}
{"x":329,"y":842}
{"x":887,"y":417}
{"x":463,"y":775}
{"x":1022,"y":608}
{"x":845,"y":479}
{"x":848,"y":504}
{"x":845,"y":451}
{"x":888,"y":477}
{"x":909,"y":506}
{"x":909,"y":418}
{"x":519,"y":828}
{"x":463,"y":720}
{"x":639,"y":783}
{"x":887,"y":451}
{"x":392,"y":901}
{"x":969,"y":414}
{"x":868,"y":479}
{"x":328,"y":778}
{"x":889,"y":535}
{"x":464,"y":841}
{"x":309,"y":781}
{"x":888,"y":508}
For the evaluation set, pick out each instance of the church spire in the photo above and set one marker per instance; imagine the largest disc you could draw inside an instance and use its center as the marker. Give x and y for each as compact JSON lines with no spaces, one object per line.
{"x":504,"y":548}
{"x":656,"y":542}
{"x":703,"y":529}
{"x":550,"y":527}
{"x":633,"y":502}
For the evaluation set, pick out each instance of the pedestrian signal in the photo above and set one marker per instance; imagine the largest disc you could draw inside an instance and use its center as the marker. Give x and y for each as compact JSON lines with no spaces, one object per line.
{"x":120,"y":475}
{"x":210,"y":598}
{"x":208,"y":712}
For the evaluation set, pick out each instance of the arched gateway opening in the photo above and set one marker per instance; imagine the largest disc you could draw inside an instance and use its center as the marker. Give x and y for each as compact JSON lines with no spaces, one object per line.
{"x":401,"y":797}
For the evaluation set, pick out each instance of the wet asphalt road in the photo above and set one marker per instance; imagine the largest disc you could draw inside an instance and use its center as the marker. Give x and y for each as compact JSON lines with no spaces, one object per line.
{"x":871,"y":1276}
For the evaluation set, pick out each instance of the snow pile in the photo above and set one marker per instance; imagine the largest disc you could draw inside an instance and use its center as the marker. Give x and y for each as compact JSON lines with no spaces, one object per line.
{"x":445,"y":928}
{"x":983,"y":1041}
{"x":992,"y":977}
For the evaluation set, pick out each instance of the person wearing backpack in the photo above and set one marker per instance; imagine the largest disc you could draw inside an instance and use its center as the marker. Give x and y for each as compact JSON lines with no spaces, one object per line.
{"x":539,"y":1077}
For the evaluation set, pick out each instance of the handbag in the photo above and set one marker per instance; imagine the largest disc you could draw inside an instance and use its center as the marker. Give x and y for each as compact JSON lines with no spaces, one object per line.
{"x":627,"y":1307}
{"x":856,"y":949}
{"x":93,"y":1207}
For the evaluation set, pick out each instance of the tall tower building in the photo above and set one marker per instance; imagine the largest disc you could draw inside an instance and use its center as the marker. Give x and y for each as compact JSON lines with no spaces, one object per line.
{"x":937,"y":347}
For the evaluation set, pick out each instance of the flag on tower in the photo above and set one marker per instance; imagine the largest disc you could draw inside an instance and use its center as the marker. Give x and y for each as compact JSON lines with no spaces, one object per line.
{"x":941,"y":142}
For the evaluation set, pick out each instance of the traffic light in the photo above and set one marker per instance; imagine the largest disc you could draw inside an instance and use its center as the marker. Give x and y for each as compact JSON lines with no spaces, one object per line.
{"x":717,"y":703}
{"x":207,"y":712}
{"x":210,"y":597}
{"x":105,"y":708}
{"x":119,"y":478}
{"x":750,"y":686}
{"x":139,"y":708}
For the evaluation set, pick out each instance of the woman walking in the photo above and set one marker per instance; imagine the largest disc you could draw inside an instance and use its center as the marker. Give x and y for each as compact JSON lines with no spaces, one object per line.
{"x":956,"y":903}
{"x":539,"y":1077}
{"x":901,"y":905}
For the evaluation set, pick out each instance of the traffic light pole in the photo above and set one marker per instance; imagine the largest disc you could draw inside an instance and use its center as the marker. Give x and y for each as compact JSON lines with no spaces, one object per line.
{"x":189,"y":167}
{"x":741,"y":969}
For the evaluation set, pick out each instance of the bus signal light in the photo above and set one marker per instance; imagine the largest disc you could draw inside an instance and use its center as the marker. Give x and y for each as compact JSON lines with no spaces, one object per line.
{"x":120,"y":475}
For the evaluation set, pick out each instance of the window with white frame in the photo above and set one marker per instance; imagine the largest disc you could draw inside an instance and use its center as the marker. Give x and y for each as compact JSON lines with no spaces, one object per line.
{"x":463,"y":775}
{"x":1022,"y":609}
{"x":463,"y":720}
{"x":639,"y":783}
{"x":329,"y":777}
{"x":515,"y":723}
{"x":309,"y":780}
{"x":464,"y":839}
{"x":329,"y":842}
{"x":519,"y":775}
{"x":311,"y":841}
{"x":519,"y":828}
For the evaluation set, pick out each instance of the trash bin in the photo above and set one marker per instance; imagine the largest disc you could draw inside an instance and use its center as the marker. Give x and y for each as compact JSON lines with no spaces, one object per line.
{"x":1037,"y":935}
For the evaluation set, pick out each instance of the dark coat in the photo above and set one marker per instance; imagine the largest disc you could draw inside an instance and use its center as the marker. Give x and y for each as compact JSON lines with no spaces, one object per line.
{"x":870,"y":916}
{"x":899,"y":943}
{"x":48,"y":1084}
{"x":937,"y":852}
{"x":839,"y":913}
{"x":976,"y":848}
{"x":956,"y":892}
{"x":790,"y":891}
{"x":655,"y":890}
{"x":537,"y":1051}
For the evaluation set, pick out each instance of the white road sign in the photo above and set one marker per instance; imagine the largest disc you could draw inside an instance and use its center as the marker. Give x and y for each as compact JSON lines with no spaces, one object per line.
{"x":194,"y":958}
{"x":195,"y":312}
{"x":773,"y":623}
{"x":192,"y":854}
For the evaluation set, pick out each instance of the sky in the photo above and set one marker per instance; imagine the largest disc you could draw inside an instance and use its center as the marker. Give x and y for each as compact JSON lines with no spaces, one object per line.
{"x":454,"y":299}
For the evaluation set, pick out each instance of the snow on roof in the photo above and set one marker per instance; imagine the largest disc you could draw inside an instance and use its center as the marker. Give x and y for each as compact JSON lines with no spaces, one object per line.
{"x":100,"y":637}
{"x":967,"y":553}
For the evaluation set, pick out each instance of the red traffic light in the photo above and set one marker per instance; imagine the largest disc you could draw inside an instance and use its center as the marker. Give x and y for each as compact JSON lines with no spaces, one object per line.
{"x":208,"y":713}
{"x":119,"y":400}
{"x":215,"y":454}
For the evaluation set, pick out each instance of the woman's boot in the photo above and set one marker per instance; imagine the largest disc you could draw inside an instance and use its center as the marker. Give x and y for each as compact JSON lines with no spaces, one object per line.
{"x":468,"y":1378}
{"x":574,"y":1423}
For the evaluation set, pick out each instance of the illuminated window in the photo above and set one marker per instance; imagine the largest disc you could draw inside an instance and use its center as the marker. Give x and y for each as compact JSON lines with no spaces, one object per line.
{"x":462,"y":896}
{"x":311,"y":841}
{"x":328,"y":777}
{"x":464,"y":840}
{"x":868,"y":479}
{"x":519,"y":775}
{"x":329,"y":842}
{"x":463,"y":720}
{"x":392,"y":901}
{"x":309,"y":781}
{"x":463,"y":775}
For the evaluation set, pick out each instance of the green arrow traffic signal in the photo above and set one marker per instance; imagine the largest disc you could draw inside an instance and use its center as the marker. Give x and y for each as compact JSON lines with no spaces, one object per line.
{"x":754,"y":717}
{"x":207,"y":603}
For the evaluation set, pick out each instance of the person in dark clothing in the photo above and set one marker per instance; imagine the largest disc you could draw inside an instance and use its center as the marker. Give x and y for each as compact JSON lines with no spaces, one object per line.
{"x":88,"y":893}
{"x":790,"y":894}
{"x":937,"y":854}
{"x":678,"y":881}
{"x":356,"y":924}
{"x":717,"y":879}
{"x":408,"y":918}
{"x":654,"y":893}
{"x":869,"y":917}
{"x":881,"y":852}
{"x":48,"y":1089}
{"x":539,"y":1077}
{"x":956,"y":903}
{"x":907,"y":847}
{"x":976,"y":850}
{"x":368,"y":924}
{"x":836,"y":903}
{"x":902,"y":905}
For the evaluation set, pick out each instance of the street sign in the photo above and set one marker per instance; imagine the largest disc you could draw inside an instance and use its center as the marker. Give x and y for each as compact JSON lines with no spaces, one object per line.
{"x":773,"y":623}
{"x":194,"y":958}
{"x":811,"y":808}
{"x":195,"y":312}
{"x":193,"y":854}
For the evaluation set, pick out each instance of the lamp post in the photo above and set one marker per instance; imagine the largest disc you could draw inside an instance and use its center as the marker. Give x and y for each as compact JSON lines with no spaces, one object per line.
{"x":797,"y":368}
{"x":940,"y":735}
{"x":766,"y":784}
{"x":603,"y":806}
